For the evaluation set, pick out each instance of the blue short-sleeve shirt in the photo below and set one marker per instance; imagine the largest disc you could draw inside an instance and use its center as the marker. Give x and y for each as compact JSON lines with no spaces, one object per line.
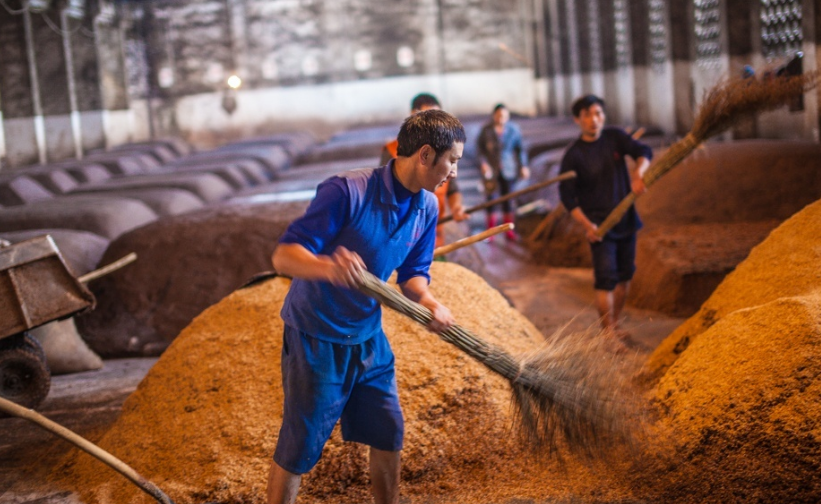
{"x":359,"y":210}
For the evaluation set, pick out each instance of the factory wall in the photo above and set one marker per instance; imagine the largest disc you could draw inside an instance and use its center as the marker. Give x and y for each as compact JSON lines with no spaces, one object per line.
{"x":119,"y":71}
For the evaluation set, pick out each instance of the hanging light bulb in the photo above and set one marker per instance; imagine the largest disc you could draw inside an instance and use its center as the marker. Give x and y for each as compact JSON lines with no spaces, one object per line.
{"x":234,"y":82}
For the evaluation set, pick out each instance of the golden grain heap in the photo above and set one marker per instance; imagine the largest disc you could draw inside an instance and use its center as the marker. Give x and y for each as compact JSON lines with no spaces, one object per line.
{"x":740,"y":382}
{"x":787,"y":263}
{"x":204,"y":422}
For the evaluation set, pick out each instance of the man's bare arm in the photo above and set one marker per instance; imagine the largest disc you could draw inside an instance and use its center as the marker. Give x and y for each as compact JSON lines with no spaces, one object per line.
{"x":589,"y":227}
{"x":416,"y":289}
{"x":341,"y":268}
{"x":637,"y":174}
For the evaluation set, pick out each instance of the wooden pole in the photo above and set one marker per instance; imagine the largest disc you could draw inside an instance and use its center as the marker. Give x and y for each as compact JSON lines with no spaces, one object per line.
{"x":105,"y":270}
{"x":564,"y":176}
{"x":110,"y":460}
{"x":470,"y":240}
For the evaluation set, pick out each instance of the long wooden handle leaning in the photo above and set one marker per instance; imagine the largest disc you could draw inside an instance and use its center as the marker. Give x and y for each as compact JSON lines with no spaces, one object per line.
{"x":564,"y":176}
{"x":105,"y":270}
{"x":470,"y":240}
{"x":118,"y":465}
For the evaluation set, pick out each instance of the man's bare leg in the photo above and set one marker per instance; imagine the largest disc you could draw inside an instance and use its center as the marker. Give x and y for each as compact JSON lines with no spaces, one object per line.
{"x":619,"y":299}
{"x":282,"y":485}
{"x":604,"y":304}
{"x":385,"y":466}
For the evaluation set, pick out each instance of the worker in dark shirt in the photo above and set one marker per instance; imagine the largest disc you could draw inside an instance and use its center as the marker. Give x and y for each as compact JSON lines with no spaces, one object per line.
{"x":602,"y":181}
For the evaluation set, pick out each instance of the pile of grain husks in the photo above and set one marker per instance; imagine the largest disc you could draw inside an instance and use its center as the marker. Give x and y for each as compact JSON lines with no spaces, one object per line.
{"x":204,"y":422}
{"x":185,"y":264}
{"x":787,"y":263}
{"x":680,"y":266}
{"x":740,"y":382}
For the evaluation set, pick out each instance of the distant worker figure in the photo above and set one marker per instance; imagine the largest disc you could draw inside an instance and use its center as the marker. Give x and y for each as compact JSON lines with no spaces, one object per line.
{"x":602,"y":181}
{"x":504,"y":161}
{"x":449,"y":191}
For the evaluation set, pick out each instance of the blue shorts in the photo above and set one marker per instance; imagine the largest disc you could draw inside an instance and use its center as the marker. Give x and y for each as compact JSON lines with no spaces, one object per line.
{"x":614,"y":261}
{"x":324,"y":382}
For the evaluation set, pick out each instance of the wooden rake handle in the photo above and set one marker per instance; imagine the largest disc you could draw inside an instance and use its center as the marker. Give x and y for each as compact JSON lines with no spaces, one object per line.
{"x":669,"y":160}
{"x":110,"y":460}
{"x":535,"y":187}
{"x":110,"y":268}
{"x":470,"y":240}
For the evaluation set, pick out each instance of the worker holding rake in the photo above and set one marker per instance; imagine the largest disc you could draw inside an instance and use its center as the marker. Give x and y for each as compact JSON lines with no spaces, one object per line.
{"x":603,"y":180}
{"x":337,"y":363}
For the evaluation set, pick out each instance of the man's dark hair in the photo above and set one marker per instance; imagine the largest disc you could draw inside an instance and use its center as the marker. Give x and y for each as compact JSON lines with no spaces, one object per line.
{"x":499,"y":106}
{"x":424,"y":99}
{"x":436,"y":128}
{"x":584,"y":103}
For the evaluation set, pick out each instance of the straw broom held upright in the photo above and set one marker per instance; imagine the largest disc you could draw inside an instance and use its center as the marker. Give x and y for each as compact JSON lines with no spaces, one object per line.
{"x":722,"y":106}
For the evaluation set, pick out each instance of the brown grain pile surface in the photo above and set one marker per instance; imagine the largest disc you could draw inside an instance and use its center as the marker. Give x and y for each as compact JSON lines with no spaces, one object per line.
{"x":679,"y":266}
{"x":741,"y":400}
{"x":563,"y":245}
{"x":745,"y":403}
{"x":185,"y":263}
{"x":787,"y":263}
{"x":203,"y":423}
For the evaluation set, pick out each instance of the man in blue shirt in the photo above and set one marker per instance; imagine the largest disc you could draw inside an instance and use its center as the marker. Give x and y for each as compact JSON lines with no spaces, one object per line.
{"x":602,"y":181}
{"x":503,"y":160}
{"x":336,"y":360}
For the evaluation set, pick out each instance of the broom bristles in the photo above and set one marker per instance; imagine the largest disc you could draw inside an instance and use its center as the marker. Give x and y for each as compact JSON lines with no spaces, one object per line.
{"x":561,"y":394}
{"x":725,"y":102}
{"x":722,"y":106}
{"x":575,"y":392}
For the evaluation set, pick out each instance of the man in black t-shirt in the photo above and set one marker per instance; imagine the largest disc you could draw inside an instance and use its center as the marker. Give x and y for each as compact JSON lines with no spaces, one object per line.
{"x":602,"y":181}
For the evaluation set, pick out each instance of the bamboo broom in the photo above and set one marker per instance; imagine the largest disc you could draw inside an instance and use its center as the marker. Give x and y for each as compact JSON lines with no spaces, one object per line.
{"x":722,"y":106}
{"x":560,"y":395}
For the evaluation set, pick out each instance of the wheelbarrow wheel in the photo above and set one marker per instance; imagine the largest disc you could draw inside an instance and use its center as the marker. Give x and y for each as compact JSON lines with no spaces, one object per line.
{"x":24,"y":374}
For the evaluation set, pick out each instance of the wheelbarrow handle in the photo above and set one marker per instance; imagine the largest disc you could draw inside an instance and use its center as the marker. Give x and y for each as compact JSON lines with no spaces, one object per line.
{"x":105,"y":270}
{"x":118,"y":465}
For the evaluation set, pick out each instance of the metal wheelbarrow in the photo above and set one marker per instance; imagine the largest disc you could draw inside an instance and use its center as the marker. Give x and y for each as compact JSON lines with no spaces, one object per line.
{"x":36,"y":287}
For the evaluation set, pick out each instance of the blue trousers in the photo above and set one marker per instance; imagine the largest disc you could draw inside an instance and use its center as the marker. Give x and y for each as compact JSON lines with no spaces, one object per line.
{"x":326,"y":382}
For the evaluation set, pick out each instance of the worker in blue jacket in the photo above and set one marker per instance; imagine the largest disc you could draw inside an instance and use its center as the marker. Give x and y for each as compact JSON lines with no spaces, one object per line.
{"x":336,"y":360}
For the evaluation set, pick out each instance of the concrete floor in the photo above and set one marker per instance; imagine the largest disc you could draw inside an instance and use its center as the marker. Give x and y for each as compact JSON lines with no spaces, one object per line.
{"x":562,"y":298}
{"x":88,"y":403}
